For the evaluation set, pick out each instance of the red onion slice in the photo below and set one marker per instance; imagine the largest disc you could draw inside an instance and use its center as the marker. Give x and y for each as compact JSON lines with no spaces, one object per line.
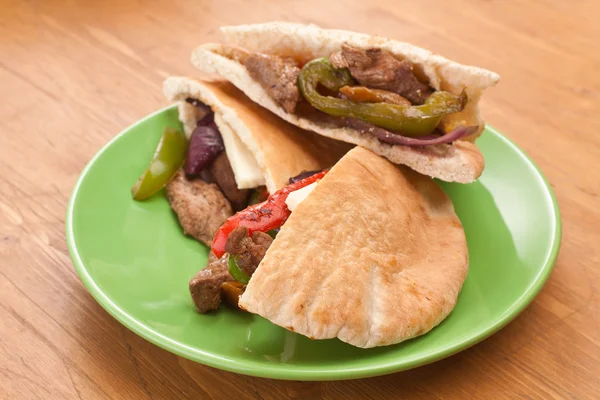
{"x":395,"y":138}
{"x":205,"y":145}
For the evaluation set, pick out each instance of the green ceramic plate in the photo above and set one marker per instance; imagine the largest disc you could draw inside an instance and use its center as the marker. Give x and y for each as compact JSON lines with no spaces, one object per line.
{"x":136,"y":262}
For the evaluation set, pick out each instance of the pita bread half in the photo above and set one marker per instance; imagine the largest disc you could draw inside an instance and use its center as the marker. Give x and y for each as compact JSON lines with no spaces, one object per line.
{"x":461,"y":162}
{"x":255,"y":139}
{"x":375,"y":255}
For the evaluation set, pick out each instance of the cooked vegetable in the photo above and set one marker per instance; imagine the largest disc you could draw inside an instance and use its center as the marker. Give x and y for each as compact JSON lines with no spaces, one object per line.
{"x":392,"y":138}
{"x":206,"y":144}
{"x":166,"y":161}
{"x":302,"y":175}
{"x":263,"y":217}
{"x":236,"y":272}
{"x":222,"y":174}
{"x":232,"y":292}
{"x":362,"y":94}
{"x":320,"y":71}
{"x":411,"y":121}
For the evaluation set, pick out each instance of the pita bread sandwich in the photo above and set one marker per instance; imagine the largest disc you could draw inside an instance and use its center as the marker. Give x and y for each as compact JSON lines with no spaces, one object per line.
{"x":400,"y":101}
{"x":238,"y":153}
{"x":369,"y":252}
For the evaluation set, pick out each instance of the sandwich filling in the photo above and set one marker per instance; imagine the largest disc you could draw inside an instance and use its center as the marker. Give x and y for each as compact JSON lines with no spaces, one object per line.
{"x":204,"y":193}
{"x":369,"y":90}
{"x":242,"y":241}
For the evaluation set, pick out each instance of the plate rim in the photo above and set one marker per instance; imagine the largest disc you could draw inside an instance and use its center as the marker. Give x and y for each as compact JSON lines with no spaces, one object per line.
{"x":306,"y":373}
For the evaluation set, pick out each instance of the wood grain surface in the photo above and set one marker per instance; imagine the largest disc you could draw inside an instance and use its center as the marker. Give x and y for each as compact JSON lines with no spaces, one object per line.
{"x":75,"y":73}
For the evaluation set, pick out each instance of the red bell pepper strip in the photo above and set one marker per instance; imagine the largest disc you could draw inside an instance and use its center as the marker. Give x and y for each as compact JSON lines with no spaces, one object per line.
{"x":262,"y":217}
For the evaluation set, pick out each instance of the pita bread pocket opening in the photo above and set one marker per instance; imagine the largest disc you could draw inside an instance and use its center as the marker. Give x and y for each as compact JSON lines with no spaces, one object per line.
{"x":232,"y":154}
{"x":400,"y":101}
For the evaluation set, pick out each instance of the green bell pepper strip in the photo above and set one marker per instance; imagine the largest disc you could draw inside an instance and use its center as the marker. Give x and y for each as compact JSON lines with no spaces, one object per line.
{"x":236,"y":272}
{"x":167,"y":159}
{"x":413,"y":121}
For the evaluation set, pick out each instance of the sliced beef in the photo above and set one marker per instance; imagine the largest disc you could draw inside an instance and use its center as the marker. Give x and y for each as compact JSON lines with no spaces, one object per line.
{"x":249,"y":250}
{"x":201,"y":207}
{"x":278,"y":76}
{"x":205,"y":286}
{"x":338,"y":60}
{"x":378,"y":69}
{"x":206,"y":176}
{"x":222,"y":174}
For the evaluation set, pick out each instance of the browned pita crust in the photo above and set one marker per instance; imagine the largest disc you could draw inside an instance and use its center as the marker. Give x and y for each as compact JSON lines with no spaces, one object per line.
{"x":281,"y":149}
{"x":375,"y":255}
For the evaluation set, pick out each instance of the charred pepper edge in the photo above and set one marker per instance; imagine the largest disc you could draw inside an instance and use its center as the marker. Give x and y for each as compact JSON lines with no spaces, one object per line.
{"x":263,"y":217}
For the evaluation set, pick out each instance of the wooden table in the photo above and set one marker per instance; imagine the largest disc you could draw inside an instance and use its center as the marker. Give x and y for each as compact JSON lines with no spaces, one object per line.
{"x":75,"y":73}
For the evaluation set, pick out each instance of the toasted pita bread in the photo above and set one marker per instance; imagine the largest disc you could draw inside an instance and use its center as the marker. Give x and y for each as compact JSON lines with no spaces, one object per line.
{"x":459,"y":162}
{"x":257,"y":137}
{"x":375,"y":255}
